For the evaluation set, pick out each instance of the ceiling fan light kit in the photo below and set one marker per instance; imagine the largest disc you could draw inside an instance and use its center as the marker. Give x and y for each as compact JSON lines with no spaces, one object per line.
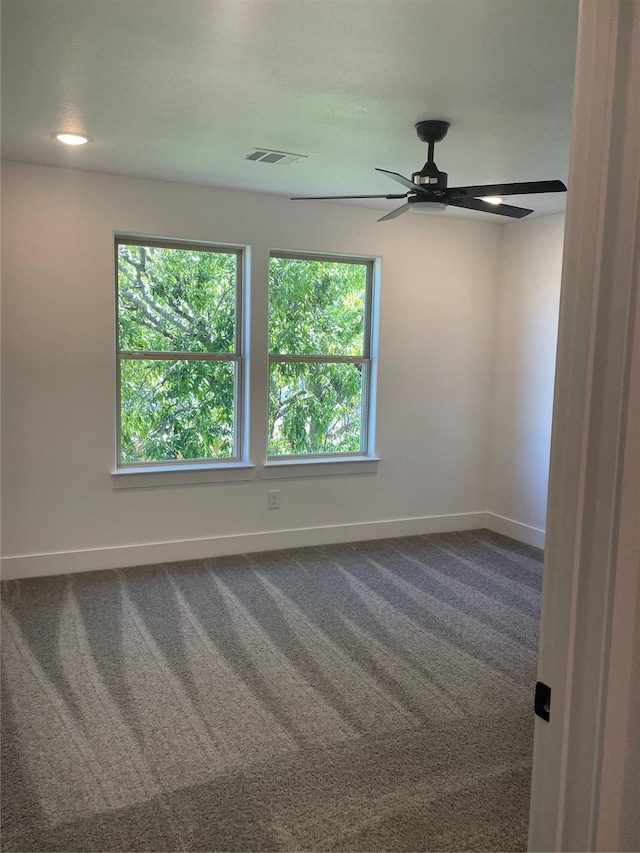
{"x":426,"y":206}
{"x":429,"y":193}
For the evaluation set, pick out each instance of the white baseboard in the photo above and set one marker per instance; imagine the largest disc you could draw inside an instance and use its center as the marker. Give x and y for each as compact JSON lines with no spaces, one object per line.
{"x":67,"y":562}
{"x":515,"y":529}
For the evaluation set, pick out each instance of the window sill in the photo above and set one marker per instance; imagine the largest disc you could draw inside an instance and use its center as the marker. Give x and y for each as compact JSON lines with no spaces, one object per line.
{"x":280,"y":469}
{"x":181,"y":475}
{"x":235,"y":472}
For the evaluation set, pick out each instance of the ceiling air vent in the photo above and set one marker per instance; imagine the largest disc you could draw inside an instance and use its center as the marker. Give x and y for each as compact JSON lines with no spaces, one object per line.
{"x":277,"y":158}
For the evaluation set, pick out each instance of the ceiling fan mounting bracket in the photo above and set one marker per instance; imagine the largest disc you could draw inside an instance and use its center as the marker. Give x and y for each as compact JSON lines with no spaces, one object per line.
{"x":432,"y":130}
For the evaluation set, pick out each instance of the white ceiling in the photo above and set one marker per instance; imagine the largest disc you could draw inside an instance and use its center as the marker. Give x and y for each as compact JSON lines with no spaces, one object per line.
{"x":183,"y":89}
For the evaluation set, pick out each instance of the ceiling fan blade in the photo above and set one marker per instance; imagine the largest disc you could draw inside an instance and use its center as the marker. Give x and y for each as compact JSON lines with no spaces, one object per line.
{"x":310,"y":197}
{"x":402,"y":209}
{"x":406,"y":182}
{"x":487,"y":207}
{"x":522,"y":188}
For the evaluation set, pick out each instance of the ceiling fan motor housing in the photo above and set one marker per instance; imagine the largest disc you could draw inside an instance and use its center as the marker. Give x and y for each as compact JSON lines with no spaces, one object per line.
{"x":430,"y":176}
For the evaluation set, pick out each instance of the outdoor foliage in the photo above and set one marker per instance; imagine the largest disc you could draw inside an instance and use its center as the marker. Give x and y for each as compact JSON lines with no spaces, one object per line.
{"x":184,"y":301}
{"x":176,"y":300}
{"x":315,"y":308}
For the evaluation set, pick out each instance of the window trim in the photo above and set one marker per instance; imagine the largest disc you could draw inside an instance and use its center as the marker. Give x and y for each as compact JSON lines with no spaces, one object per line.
{"x":239,"y":460}
{"x":155,"y":476}
{"x":367,"y":360}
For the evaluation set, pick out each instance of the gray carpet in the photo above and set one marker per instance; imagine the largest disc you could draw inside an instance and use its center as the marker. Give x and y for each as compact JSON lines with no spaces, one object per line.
{"x":367,"y":696}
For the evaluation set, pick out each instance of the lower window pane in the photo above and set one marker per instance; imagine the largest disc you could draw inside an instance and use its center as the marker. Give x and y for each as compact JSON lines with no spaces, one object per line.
{"x":314,"y":408}
{"x":172,"y":410}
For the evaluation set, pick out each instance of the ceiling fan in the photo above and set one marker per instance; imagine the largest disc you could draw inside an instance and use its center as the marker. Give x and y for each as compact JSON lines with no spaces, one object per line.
{"x":428,"y":189}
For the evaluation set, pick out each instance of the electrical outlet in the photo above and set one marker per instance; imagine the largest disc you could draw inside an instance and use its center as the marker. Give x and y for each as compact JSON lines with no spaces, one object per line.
{"x":274,"y":499}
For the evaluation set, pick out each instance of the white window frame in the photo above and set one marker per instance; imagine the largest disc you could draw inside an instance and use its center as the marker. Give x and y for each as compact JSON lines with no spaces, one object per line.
{"x":163,"y":472}
{"x":366,"y":453}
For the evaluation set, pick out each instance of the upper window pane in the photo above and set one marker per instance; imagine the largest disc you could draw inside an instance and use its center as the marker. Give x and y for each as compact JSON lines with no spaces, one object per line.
{"x":177,"y":300}
{"x":317,"y":307}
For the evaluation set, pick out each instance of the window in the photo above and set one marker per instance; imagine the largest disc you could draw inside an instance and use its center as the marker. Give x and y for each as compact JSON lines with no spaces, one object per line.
{"x":183,"y":392}
{"x":179,"y":359}
{"x":319,"y":355}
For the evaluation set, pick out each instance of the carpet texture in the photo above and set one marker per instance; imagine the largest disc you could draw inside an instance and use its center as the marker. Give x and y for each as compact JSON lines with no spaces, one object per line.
{"x":366,"y":696}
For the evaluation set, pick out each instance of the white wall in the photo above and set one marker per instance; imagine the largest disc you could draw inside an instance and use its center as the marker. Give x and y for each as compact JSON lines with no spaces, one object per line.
{"x":60,"y":512}
{"x":524,"y":367}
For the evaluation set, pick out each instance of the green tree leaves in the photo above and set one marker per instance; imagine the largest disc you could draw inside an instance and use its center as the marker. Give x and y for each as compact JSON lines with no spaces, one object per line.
{"x":176,"y":301}
{"x":179,"y":361}
{"x":316,"y":308}
{"x":175,"y":410}
{"x":314,"y":408}
{"x":179,"y":300}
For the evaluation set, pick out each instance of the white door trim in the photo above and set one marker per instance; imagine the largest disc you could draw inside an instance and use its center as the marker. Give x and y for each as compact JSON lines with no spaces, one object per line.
{"x":592,"y":521}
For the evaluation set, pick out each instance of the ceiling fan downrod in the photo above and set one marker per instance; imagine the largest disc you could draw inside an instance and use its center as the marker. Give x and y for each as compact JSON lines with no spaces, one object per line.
{"x":431,"y":131}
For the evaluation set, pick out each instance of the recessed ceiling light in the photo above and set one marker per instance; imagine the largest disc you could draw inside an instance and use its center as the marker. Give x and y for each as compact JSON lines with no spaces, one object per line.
{"x":492,"y":199}
{"x":72,"y":138}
